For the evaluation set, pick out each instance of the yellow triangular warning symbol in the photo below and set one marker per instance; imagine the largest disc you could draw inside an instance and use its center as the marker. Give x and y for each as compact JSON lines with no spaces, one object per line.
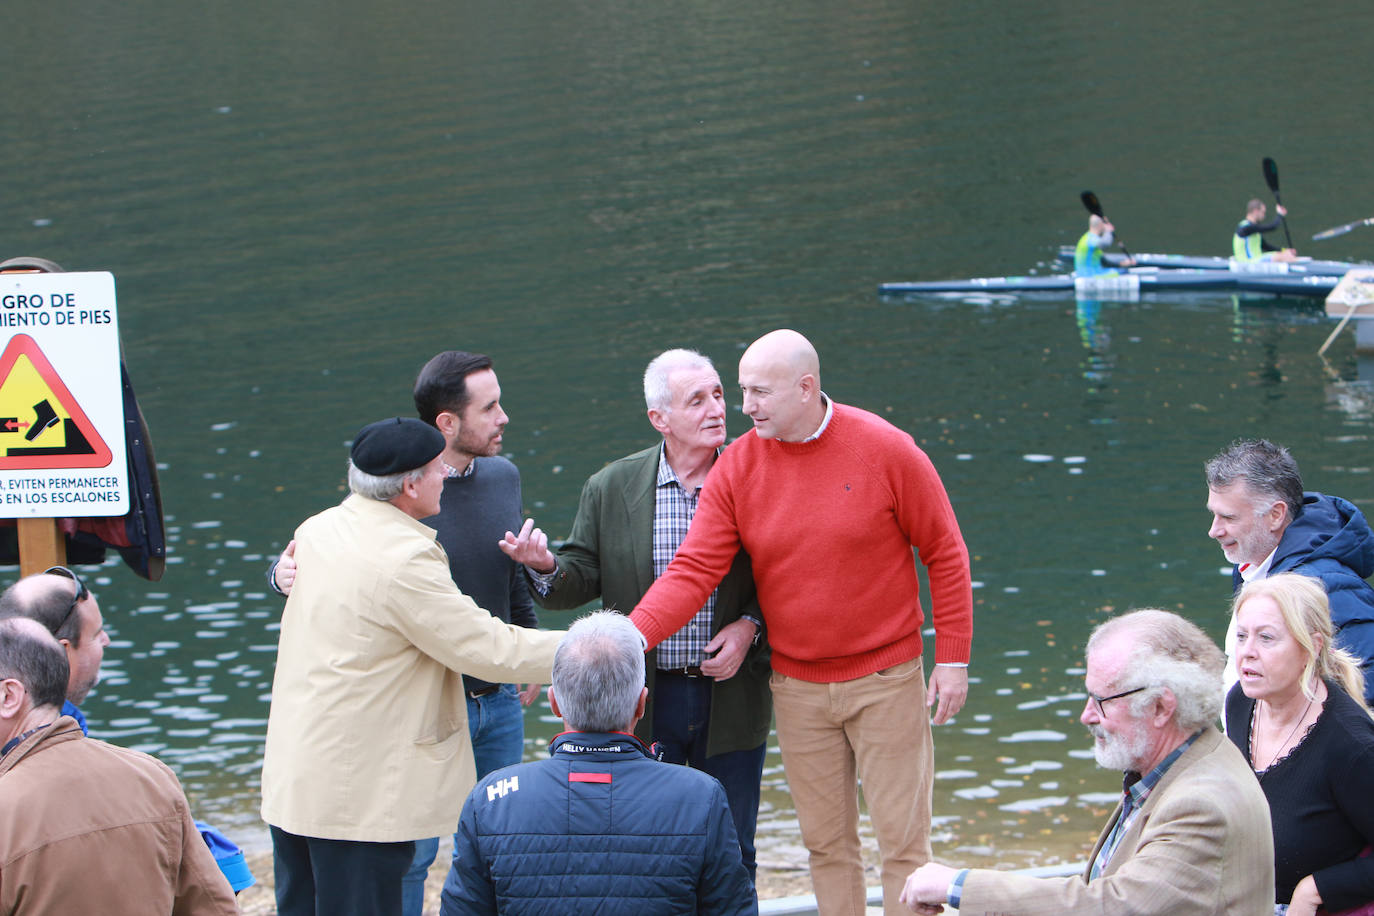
{"x":41,"y":425}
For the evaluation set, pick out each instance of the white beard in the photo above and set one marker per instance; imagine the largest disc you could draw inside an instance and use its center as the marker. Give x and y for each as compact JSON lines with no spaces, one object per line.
{"x":1118,"y":752}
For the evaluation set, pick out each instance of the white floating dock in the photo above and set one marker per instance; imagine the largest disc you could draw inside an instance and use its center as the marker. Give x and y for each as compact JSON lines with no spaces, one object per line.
{"x":1353,"y":300}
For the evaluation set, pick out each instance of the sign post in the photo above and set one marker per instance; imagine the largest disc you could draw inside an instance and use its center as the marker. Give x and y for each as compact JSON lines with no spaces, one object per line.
{"x":62,"y":451}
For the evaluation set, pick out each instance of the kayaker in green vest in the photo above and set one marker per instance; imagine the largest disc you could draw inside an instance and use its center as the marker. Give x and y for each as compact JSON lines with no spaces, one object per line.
{"x":1248,"y":243}
{"x":1087,"y":256}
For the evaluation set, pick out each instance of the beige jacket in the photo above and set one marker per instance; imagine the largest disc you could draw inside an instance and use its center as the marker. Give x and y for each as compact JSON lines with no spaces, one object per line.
{"x":367,"y":738}
{"x":1201,"y":846}
{"x":87,"y":827}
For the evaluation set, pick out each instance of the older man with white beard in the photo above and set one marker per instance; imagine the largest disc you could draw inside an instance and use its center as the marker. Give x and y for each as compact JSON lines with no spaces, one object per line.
{"x":1191,"y":833}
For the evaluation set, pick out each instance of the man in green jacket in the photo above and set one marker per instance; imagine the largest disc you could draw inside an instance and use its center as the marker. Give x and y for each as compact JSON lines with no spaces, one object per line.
{"x":709,"y":703}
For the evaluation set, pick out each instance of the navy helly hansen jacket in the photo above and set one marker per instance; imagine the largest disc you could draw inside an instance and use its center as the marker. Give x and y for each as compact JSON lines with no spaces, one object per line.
{"x":598,"y":828}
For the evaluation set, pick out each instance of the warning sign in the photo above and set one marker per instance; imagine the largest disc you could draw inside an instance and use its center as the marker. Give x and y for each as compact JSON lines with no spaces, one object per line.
{"x":54,"y":432}
{"x":61,"y":406}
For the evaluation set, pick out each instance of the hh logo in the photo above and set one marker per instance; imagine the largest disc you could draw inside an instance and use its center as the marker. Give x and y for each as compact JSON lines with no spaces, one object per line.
{"x":499,"y":788}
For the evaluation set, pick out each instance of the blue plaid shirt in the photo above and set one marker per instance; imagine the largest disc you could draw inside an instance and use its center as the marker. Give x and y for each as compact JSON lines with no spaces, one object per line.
{"x":674,"y":508}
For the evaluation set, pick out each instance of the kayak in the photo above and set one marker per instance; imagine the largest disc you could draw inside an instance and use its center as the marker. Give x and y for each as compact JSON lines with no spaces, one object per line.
{"x":1129,"y":284}
{"x":1302,"y":266}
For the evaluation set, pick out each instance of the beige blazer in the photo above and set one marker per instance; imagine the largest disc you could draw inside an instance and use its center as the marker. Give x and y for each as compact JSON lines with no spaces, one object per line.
{"x":367,"y":738}
{"x":1200,"y":845}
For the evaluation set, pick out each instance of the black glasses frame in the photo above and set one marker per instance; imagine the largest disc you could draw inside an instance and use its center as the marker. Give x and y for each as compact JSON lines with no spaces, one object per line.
{"x":1116,"y":696}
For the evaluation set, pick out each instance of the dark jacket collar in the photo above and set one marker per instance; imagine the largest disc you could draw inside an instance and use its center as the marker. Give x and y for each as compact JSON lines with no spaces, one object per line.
{"x":574,"y":744}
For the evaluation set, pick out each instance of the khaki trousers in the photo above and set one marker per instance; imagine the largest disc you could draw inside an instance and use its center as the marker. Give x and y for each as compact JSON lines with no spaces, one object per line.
{"x":875,"y":729}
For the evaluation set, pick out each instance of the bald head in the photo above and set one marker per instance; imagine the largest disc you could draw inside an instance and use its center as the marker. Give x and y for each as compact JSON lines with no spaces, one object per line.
{"x":780,"y":377}
{"x":47,"y":599}
{"x":70,"y":614}
{"x":784,"y":349}
{"x":1095,"y":224}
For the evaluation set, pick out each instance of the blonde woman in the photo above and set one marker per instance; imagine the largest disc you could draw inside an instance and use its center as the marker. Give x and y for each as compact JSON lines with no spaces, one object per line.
{"x":1298,"y":716}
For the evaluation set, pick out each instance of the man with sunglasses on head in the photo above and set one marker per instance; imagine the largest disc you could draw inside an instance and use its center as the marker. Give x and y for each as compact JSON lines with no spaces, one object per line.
{"x":1191,"y":833}
{"x":87,"y":827}
{"x":58,"y":599}
{"x":70,"y":613}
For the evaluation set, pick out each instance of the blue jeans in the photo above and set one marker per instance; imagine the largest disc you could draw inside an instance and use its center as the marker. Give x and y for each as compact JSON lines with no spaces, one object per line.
{"x":496,"y":723}
{"x":682,"y":712}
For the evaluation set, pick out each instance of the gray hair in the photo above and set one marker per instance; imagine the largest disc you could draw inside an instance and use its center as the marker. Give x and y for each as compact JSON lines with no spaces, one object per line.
{"x":383,"y":489}
{"x":1269,"y":472}
{"x":32,"y":656}
{"x":658,"y":393}
{"x":1169,"y":652}
{"x":598,"y":673}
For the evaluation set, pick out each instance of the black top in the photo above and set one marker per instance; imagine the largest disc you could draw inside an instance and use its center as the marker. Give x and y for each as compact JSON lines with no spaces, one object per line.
{"x":1248,"y":228}
{"x":475,"y":512}
{"x":1321,"y":800}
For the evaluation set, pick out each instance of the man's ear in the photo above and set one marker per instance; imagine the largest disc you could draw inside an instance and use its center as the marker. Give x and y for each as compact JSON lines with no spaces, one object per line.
{"x":658,"y":419}
{"x":553,"y":703}
{"x":1276,"y":516}
{"x":643,"y":703}
{"x":12,"y":698}
{"x":640,"y":705}
{"x":447,"y":422}
{"x":1166,"y":704}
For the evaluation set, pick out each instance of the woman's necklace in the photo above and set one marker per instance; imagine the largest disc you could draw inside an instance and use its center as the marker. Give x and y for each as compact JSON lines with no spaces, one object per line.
{"x":1274,"y":758}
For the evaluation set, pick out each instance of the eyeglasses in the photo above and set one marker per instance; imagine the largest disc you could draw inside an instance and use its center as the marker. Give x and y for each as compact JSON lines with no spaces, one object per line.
{"x":1116,"y":696}
{"x":82,"y":593}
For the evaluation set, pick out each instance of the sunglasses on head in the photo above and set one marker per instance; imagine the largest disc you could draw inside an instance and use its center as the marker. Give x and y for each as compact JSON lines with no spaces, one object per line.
{"x":82,"y":593}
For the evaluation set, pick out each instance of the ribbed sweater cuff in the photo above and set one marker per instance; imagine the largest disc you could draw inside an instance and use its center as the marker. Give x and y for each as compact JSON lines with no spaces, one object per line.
{"x":653,"y":633}
{"x":952,"y":648}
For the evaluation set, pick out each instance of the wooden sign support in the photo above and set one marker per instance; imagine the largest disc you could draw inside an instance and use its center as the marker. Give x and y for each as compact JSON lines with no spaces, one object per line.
{"x":41,"y":545}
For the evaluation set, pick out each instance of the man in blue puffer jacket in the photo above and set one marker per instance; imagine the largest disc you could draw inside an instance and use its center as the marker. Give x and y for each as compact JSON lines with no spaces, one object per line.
{"x":600,"y":827}
{"x":1266,"y":524}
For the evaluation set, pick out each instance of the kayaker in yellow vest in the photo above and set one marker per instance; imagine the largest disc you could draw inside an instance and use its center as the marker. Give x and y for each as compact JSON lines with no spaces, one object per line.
{"x":1249,"y":245}
{"x":1087,"y":255}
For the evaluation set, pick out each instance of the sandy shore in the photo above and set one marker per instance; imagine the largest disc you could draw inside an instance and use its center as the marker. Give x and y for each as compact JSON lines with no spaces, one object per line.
{"x":258,"y":900}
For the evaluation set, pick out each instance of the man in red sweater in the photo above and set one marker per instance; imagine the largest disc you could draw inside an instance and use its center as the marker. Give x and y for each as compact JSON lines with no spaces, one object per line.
{"x":828,"y":501}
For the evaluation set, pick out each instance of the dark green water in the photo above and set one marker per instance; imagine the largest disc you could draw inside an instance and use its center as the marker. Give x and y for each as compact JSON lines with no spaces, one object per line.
{"x":302,"y":202}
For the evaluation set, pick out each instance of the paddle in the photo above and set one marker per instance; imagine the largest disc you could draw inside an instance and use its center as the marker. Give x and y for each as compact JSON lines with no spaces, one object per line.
{"x":1095,"y":208}
{"x":1342,"y":230}
{"x":1271,"y":178}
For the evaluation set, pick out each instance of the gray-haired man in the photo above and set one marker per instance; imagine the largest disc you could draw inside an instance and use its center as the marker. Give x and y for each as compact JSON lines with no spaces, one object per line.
{"x":632,"y":836}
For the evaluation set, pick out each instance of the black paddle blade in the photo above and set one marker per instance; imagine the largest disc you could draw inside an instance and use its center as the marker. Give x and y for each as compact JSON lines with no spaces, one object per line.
{"x":1091,"y":202}
{"x":1271,"y":174}
{"x":1271,"y":178}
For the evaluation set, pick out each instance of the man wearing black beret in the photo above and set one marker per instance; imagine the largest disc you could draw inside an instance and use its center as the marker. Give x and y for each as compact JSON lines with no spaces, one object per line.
{"x":367,"y":739}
